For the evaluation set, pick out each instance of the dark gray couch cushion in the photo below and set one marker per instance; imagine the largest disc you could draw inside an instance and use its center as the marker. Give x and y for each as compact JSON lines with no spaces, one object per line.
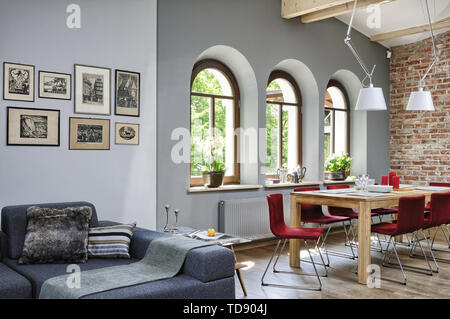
{"x":56,"y":235}
{"x":38,"y":274}
{"x":181,"y":286}
{"x":14,"y":224}
{"x":13,"y":285}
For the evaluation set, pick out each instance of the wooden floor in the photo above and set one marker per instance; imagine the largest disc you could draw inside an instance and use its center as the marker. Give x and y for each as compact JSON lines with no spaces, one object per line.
{"x":342,"y":281}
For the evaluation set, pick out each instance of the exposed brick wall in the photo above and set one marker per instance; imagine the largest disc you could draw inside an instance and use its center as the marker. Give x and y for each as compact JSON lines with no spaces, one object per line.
{"x":420,"y":140}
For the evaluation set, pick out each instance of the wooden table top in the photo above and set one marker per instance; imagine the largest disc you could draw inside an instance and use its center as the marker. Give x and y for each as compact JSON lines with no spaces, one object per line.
{"x":396,"y":194}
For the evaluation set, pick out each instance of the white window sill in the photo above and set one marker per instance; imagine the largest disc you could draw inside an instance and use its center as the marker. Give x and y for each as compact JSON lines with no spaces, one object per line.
{"x":223,"y":188}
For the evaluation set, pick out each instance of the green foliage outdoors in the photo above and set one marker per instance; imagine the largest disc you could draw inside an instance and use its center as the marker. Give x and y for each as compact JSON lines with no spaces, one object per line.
{"x":201,"y":160}
{"x":201,"y":141}
{"x":272,"y":126}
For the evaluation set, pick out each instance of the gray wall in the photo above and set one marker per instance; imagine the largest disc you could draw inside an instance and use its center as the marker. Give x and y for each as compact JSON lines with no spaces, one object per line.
{"x":186,"y":28}
{"x":114,"y":34}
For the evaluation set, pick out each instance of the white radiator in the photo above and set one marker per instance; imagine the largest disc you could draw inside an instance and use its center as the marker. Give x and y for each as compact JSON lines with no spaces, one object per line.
{"x":248,"y":218}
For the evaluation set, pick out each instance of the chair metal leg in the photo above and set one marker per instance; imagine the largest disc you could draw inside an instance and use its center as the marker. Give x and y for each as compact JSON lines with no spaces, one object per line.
{"x":387,"y":252}
{"x":428,"y":271}
{"x":278,"y":256}
{"x":442,"y":228}
{"x":431,"y":252}
{"x":316,"y":273}
{"x":443,"y":260}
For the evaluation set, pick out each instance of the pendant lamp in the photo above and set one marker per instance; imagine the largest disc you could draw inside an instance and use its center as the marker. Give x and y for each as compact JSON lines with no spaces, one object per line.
{"x":421,"y":100}
{"x":370,"y":98}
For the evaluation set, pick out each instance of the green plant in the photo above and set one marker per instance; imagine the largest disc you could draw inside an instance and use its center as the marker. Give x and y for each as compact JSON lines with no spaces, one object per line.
{"x":338,"y":162}
{"x":213,"y":150}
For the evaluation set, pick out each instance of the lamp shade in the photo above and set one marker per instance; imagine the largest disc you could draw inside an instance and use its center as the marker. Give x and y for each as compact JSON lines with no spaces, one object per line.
{"x":371,"y":99}
{"x":420,"y":101}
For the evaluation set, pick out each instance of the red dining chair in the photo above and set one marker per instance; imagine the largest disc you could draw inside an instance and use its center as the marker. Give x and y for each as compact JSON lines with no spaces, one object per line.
{"x":440,"y":184}
{"x":282,"y":232}
{"x":313,"y":214}
{"x":410,"y":220}
{"x":438,"y":217}
{"x":427,"y":208}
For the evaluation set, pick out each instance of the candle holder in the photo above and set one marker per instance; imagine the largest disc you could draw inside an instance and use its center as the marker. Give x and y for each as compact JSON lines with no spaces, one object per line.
{"x":166,"y":229}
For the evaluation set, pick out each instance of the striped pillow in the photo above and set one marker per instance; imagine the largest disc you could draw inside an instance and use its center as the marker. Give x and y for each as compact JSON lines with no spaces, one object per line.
{"x":110,"y":242}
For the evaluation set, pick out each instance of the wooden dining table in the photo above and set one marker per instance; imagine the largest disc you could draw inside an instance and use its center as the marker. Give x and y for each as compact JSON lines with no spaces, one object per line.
{"x":364,"y":205}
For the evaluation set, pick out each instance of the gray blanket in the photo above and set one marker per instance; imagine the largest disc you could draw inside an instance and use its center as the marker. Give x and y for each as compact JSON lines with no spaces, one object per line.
{"x":164,"y":258}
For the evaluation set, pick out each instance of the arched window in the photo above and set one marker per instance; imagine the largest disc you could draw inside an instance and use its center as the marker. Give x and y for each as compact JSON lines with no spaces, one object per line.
{"x":283,"y":123}
{"x":337,"y":120}
{"x":214,"y":117}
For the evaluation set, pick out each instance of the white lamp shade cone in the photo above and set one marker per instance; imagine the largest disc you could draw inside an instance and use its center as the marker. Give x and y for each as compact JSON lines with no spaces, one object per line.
{"x":420,"y":101}
{"x":371,"y":99}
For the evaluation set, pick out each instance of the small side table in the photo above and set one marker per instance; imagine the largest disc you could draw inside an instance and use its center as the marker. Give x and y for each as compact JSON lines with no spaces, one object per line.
{"x":226,"y":241}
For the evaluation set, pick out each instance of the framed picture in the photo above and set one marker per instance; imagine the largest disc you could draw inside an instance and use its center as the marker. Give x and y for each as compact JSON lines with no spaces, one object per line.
{"x":92,"y":90}
{"x":127,"y":134}
{"x":127,"y":93}
{"x":32,"y":127}
{"x":88,"y":134}
{"x":18,"y":82}
{"x":55,"y":85}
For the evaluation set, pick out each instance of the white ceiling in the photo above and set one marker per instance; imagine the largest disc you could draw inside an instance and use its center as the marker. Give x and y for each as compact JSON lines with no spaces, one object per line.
{"x":400,"y":14}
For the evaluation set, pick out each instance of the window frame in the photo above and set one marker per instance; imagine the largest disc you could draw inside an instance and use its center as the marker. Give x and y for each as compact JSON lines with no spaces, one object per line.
{"x":337,"y":84}
{"x":214,"y":64}
{"x":279,"y":74}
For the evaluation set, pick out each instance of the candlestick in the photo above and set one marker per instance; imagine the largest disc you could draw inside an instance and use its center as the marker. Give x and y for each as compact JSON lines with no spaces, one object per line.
{"x":391,"y":175}
{"x":396,"y":182}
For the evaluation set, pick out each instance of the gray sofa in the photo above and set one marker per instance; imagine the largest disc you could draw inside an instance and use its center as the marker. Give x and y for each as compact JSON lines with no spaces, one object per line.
{"x":208,"y":272}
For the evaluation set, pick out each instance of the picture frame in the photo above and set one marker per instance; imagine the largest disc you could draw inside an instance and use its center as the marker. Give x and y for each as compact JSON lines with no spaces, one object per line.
{"x":92,"y":87}
{"x":32,"y":127}
{"x":89,"y":134}
{"x":127,"y":93}
{"x":54,"y":85}
{"x":127,"y":133}
{"x":18,"y":82}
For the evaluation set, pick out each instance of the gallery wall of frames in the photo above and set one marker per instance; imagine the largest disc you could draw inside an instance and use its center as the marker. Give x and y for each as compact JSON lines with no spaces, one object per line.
{"x":91,"y":87}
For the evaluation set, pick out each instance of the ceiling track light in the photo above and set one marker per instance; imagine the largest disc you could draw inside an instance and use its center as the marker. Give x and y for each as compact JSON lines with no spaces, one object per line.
{"x":370,"y":98}
{"x":422,"y":100}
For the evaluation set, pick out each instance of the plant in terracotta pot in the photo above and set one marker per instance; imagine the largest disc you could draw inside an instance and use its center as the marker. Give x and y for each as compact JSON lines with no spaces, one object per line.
{"x":338,"y":166}
{"x":213,"y":166}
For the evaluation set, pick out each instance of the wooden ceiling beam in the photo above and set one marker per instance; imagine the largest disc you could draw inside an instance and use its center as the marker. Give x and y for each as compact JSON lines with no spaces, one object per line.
{"x":339,"y":10}
{"x":441,"y":24}
{"x":295,"y":8}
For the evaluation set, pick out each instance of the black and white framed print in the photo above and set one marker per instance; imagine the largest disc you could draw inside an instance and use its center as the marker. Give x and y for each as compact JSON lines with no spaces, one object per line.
{"x":54,"y":85}
{"x":89,"y":134}
{"x":18,"y":82}
{"x":92,"y":90}
{"x":127,"y":93}
{"x":32,"y":127}
{"x":127,"y":134}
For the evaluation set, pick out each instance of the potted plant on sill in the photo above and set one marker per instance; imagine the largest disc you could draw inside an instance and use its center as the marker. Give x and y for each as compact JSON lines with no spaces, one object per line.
{"x":213,"y":166}
{"x":338,"y":166}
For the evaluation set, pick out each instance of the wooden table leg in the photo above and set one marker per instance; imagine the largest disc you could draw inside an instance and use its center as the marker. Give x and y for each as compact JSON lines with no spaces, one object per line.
{"x":364,"y":231}
{"x":294,"y":244}
{"x":237,"y":267}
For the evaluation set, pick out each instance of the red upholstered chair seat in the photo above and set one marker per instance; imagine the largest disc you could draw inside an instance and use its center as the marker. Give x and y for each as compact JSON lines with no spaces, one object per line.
{"x":385,"y":228}
{"x":439,"y":213}
{"x":302,"y":233}
{"x":410,"y":217}
{"x":384,"y":211}
{"x":326,"y":220}
{"x":279,"y":227}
